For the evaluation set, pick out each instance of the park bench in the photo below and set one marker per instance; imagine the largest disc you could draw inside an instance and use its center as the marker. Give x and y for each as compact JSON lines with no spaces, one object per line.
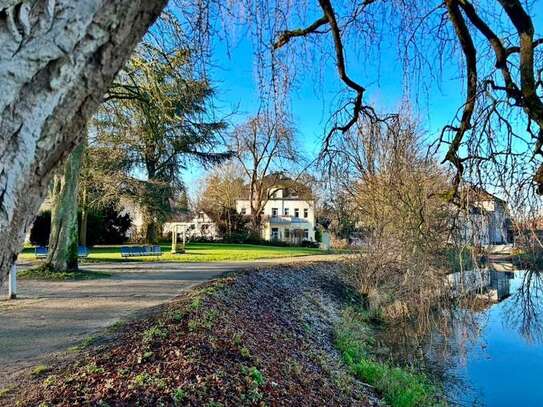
{"x":42,"y":251}
{"x":136,"y":251}
{"x":82,"y":251}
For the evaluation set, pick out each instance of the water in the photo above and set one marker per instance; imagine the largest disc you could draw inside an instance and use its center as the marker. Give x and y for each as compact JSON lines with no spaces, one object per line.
{"x":487,"y":354}
{"x":502,"y":364}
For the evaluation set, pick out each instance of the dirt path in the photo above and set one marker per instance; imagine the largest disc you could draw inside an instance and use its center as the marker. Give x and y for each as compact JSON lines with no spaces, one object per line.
{"x":49,"y":317}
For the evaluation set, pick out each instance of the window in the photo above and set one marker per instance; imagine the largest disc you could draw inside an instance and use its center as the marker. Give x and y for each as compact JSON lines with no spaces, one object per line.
{"x":286,"y":211}
{"x":296,"y":213}
{"x":306,"y":212}
{"x":275,"y":212}
{"x":243,"y":211}
{"x":275,"y":233}
{"x":287,"y":233}
{"x":306,"y":233}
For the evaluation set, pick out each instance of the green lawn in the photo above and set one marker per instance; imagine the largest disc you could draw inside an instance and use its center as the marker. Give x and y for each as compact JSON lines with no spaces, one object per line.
{"x":196,"y":252}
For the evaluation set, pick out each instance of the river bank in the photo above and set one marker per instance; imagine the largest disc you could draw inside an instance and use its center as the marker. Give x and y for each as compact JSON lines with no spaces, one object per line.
{"x":268,"y":337}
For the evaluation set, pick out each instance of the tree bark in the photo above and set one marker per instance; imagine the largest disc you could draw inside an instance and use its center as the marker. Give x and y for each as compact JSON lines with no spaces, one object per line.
{"x":150,"y":227}
{"x":84,"y":219}
{"x":63,"y":238}
{"x":57,"y":58}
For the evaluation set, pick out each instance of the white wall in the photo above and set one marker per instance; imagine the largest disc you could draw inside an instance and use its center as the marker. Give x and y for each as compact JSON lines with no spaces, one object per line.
{"x":281,"y":205}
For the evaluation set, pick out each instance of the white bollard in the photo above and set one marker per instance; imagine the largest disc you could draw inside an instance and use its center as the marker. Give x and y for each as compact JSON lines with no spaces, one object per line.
{"x":13,"y":283}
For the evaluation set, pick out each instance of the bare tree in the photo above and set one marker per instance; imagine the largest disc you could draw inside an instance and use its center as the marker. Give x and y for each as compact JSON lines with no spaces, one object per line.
{"x":57,"y":60}
{"x":221,"y":188}
{"x":492,"y":47}
{"x":398,"y":196}
{"x":263,"y":146}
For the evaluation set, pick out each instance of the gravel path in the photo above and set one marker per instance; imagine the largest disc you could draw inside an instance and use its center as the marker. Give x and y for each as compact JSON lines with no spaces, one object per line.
{"x":49,"y":317}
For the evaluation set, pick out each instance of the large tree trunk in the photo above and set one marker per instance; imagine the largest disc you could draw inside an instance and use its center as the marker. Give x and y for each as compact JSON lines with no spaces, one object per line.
{"x":63,"y":238}
{"x":57,"y":58}
{"x":150,"y":229}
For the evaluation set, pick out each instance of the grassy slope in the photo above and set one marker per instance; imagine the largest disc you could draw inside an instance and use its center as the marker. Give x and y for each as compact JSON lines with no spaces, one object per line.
{"x":399,"y":387}
{"x":250,"y":339}
{"x":197,"y":252}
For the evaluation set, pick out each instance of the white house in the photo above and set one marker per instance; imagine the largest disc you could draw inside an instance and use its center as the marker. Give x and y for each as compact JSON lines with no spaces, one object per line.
{"x":200,"y":226}
{"x":488,"y":221}
{"x":287,"y":216}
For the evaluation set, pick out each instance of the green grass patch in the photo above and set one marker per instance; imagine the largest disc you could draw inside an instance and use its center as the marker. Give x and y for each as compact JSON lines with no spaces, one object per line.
{"x":195,"y":252}
{"x":178,"y":396}
{"x":39,"y":370}
{"x":154,"y":333}
{"x":44,"y":274}
{"x":5,"y":391}
{"x":399,"y":387}
{"x":84,"y":344}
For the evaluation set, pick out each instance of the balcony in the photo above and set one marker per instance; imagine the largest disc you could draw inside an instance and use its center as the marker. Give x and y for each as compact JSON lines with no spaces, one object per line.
{"x":286,"y":220}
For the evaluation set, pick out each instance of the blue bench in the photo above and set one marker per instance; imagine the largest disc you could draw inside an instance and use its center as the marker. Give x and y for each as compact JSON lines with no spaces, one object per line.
{"x":41,"y":252}
{"x":82,"y":251}
{"x":138,"y":251}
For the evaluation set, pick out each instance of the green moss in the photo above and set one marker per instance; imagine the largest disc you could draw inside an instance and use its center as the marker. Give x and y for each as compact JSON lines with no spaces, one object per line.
{"x":399,"y":387}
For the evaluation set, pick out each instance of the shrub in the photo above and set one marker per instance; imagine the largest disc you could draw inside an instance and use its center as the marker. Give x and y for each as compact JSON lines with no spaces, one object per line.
{"x":104,"y":226}
{"x":318,"y":235}
{"x":107,"y":226}
{"x":309,"y":243}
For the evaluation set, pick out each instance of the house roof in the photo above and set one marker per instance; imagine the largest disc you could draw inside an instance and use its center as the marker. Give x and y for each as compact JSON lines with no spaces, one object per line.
{"x":474,"y":193}
{"x":279,"y":181}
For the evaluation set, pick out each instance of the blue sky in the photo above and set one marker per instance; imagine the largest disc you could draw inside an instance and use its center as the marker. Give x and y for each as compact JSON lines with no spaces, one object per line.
{"x":435,"y":102}
{"x":233,"y":76}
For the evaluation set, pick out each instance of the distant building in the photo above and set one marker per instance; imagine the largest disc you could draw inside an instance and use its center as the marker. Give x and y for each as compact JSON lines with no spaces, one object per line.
{"x":487,"y":221}
{"x":197,"y":225}
{"x":289,"y":213}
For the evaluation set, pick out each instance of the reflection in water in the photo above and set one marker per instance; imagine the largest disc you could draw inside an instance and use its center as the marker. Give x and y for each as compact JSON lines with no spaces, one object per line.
{"x":523,"y":312}
{"x":479,"y":345}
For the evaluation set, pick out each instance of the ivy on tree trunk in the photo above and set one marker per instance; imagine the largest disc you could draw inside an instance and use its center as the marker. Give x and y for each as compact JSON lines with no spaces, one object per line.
{"x":63,"y":239}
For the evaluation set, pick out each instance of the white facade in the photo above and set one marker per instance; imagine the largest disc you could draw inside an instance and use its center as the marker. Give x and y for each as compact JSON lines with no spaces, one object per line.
{"x":487,"y":223}
{"x":288,"y":219}
{"x":201,"y":226}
